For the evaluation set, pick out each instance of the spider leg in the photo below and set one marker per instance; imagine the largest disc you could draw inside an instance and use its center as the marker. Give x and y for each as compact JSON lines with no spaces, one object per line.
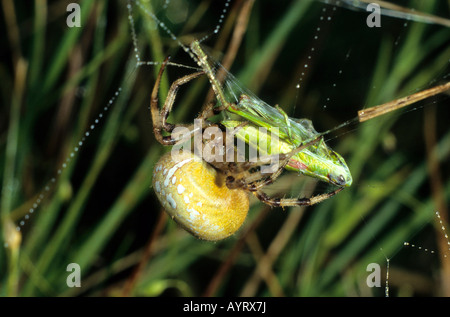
{"x":211,"y":109}
{"x":285,"y":202}
{"x":254,"y":181}
{"x":159,"y":118}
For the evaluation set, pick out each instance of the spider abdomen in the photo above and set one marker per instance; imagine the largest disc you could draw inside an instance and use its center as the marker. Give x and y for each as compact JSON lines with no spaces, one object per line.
{"x":195,"y":195}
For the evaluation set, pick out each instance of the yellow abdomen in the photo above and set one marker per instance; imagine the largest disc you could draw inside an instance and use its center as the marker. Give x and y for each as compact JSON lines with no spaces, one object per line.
{"x":194,"y":194}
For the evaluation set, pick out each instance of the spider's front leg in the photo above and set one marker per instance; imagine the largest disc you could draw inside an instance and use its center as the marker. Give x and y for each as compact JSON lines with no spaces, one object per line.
{"x":159,"y":117}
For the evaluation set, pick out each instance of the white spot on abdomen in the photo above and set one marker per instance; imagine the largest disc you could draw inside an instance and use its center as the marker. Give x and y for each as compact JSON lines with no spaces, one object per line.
{"x":157,"y":186}
{"x":180,"y":189}
{"x":171,"y":201}
{"x":173,"y":169}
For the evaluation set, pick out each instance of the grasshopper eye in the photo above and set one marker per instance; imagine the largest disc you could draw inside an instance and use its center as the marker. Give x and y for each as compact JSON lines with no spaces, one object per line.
{"x":340,"y":180}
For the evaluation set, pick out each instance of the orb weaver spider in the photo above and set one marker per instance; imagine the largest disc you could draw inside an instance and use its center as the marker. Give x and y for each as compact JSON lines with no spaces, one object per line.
{"x":209,"y":198}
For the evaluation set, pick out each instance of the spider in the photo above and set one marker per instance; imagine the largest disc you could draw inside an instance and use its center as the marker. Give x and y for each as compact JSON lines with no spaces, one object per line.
{"x":206,"y":196}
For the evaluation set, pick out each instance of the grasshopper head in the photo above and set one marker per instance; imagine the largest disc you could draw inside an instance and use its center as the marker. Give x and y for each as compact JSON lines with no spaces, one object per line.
{"x":340,"y":174}
{"x":321,"y":162}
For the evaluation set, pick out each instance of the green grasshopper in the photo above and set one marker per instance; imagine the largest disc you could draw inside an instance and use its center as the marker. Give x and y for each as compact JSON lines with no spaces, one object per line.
{"x":318,"y":160}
